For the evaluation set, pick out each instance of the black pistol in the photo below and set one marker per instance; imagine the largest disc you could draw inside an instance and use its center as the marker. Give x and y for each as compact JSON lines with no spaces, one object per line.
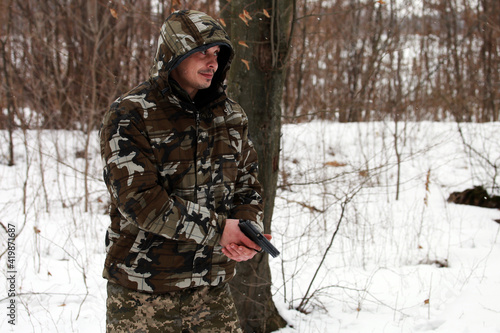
{"x":257,"y":237}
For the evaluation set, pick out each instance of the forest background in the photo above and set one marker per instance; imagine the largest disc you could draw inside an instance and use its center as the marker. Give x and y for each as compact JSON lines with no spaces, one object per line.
{"x":64,"y":61}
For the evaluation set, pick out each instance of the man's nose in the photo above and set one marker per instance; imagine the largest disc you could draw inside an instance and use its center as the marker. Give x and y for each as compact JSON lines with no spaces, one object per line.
{"x":212,"y":62}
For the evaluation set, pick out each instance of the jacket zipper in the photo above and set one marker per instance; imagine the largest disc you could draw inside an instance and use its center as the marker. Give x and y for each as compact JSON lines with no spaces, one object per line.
{"x":197,"y":117}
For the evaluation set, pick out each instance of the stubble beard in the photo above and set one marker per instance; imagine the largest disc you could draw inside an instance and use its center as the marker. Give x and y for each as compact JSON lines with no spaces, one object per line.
{"x":207,"y":82}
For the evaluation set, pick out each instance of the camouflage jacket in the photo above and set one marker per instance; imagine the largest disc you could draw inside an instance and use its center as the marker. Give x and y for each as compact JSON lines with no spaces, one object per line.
{"x":176,"y":169}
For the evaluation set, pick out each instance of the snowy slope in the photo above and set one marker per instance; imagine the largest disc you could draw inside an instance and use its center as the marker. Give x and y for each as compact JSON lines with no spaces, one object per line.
{"x":354,"y":259}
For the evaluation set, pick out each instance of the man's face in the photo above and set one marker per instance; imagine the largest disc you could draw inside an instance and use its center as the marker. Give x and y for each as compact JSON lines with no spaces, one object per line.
{"x":197,"y":71}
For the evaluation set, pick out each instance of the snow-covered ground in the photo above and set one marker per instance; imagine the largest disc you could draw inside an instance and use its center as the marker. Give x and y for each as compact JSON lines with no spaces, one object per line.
{"x":353,"y":257}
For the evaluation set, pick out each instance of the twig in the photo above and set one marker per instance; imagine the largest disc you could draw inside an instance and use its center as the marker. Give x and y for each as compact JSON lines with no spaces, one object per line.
{"x":305,"y":300}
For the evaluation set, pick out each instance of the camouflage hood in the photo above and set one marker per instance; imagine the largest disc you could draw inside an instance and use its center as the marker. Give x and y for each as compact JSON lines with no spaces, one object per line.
{"x":186,"y":32}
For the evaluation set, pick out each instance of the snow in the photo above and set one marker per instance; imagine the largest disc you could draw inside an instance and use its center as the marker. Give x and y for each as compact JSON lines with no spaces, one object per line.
{"x":355,"y":257}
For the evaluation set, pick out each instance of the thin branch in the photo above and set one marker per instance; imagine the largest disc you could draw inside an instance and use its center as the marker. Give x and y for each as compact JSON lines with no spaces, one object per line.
{"x":306,"y":298}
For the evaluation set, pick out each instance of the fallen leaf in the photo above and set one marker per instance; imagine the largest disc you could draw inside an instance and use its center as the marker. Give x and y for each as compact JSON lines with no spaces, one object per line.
{"x":222,"y":22}
{"x":266,"y":13}
{"x":246,"y":63}
{"x":363,"y":173}
{"x":243,"y":18}
{"x":242,"y":43}
{"x":335,"y":164}
{"x":114,"y":13}
{"x":247,"y":15}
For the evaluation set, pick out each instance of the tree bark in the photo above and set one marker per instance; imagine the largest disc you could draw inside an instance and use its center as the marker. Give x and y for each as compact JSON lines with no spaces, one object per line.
{"x":260,"y":32}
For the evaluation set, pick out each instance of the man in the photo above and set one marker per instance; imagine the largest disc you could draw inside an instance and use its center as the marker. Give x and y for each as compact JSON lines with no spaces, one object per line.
{"x":181,"y":173}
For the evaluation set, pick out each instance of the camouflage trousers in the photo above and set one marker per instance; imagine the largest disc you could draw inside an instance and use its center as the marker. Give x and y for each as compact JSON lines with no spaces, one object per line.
{"x":204,"y":309}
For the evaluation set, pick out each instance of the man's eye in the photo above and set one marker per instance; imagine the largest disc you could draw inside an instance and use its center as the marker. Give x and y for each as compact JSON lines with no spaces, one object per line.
{"x":216,"y":53}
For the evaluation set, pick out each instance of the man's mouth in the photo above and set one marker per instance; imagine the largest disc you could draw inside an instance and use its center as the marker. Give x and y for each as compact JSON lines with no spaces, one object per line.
{"x":207,"y":75}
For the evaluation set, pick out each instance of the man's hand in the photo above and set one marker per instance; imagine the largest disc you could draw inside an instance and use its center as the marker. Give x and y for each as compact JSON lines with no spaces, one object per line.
{"x":238,"y":252}
{"x":237,"y":246}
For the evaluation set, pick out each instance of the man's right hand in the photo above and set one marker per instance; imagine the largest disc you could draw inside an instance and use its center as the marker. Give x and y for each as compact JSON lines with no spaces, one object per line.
{"x":232,"y":234}
{"x":235,"y":244}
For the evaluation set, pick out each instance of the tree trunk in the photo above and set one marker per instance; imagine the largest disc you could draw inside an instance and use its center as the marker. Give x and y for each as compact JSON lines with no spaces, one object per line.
{"x":260,"y":32}
{"x":6,"y":84}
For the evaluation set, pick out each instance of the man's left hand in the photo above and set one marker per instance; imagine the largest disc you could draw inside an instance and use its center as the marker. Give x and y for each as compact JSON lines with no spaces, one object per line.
{"x":238,"y":252}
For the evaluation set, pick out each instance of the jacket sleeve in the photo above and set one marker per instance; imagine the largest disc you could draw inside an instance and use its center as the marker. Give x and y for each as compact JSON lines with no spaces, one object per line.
{"x":132,"y":180}
{"x":248,"y":203}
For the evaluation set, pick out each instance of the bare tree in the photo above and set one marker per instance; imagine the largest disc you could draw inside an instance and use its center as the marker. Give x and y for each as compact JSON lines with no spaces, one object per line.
{"x":261,"y":31}
{"x":338,"y":63}
{"x":7,"y":91}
